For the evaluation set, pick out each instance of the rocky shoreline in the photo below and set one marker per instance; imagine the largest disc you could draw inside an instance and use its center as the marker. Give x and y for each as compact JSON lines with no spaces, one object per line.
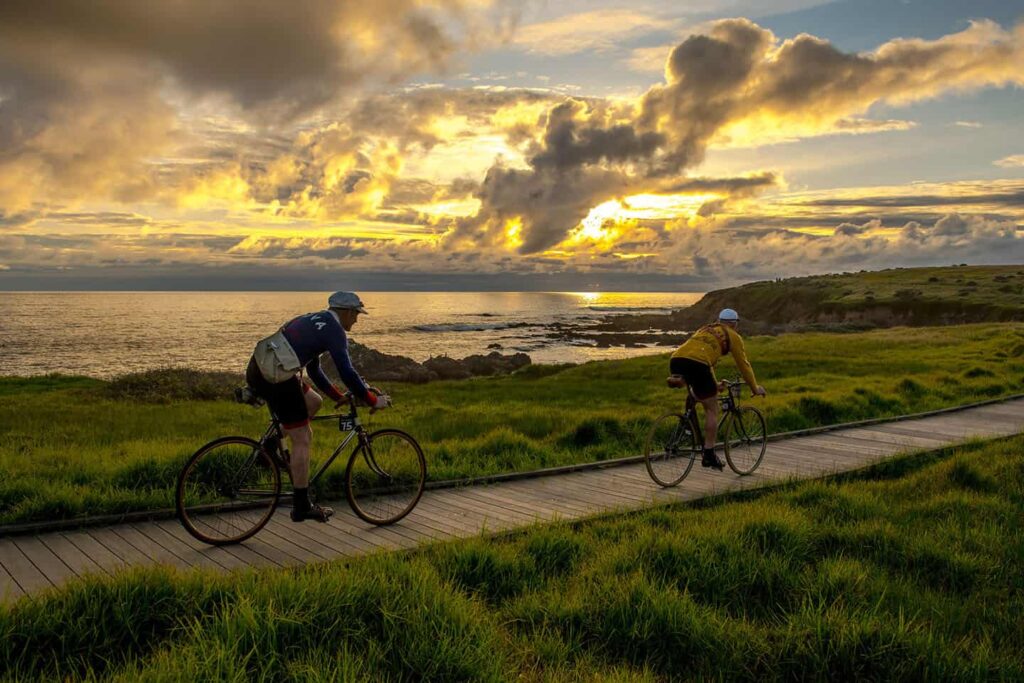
{"x":375,"y":366}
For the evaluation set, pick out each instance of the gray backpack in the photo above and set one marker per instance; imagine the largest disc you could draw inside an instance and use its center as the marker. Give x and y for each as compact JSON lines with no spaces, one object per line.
{"x":276,"y":358}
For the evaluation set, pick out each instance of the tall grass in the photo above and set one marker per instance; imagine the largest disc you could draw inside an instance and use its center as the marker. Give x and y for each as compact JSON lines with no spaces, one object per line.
{"x":70,"y":448}
{"x":910,"y":570}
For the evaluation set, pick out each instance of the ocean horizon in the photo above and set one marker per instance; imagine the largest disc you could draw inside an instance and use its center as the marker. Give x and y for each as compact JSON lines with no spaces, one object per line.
{"x":106,"y":333}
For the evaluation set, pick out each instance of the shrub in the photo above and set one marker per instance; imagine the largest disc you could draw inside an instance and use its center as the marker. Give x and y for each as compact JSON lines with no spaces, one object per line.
{"x":174,"y":384}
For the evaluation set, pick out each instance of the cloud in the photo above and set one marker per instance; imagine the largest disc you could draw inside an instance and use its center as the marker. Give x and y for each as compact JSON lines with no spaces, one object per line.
{"x":596,"y":30}
{"x":93,"y":93}
{"x":286,"y":58}
{"x":853,"y":230}
{"x":968,"y":124}
{"x":1012,"y":161}
{"x":733,"y":82}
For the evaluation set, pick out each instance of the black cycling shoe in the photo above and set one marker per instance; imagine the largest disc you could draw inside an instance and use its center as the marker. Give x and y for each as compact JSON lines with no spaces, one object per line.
{"x":711,"y":460}
{"x":317,"y":512}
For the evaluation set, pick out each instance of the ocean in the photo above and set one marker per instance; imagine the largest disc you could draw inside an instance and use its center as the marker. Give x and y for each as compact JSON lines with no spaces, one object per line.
{"x":103,"y":334}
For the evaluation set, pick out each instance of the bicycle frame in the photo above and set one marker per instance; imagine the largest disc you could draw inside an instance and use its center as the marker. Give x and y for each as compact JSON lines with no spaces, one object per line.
{"x":727,"y":402}
{"x":357,"y":431}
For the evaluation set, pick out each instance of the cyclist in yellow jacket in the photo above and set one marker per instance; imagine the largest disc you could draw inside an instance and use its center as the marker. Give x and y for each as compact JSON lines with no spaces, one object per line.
{"x":695,"y":360}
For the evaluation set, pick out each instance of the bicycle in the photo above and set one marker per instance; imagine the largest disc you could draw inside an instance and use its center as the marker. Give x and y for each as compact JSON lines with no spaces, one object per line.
{"x":229,"y":489}
{"x":676,"y":440}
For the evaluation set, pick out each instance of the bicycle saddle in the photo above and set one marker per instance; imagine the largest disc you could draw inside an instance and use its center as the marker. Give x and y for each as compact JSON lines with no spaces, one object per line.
{"x":247,"y":396}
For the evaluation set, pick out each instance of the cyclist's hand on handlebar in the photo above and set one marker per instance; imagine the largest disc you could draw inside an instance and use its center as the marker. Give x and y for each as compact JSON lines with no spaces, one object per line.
{"x":383,"y":400}
{"x":759,"y":391}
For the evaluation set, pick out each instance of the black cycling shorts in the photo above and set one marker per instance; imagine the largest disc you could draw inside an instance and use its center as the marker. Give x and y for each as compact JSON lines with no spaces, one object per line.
{"x":697,"y":375}
{"x":285,"y":399}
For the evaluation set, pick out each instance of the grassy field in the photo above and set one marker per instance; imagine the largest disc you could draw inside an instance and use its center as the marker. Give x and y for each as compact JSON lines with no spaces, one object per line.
{"x":907,"y":571}
{"x":899,"y":296}
{"x":72,"y":446}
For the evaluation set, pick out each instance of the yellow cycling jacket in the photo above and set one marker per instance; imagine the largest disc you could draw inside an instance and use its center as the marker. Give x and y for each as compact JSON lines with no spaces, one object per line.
{"x":708,"y":344}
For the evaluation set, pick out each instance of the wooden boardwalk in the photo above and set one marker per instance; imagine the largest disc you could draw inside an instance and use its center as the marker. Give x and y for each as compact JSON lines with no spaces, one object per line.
{"x":29,"y":564}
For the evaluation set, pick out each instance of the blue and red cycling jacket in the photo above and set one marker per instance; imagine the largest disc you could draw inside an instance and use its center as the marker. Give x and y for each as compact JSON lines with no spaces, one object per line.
{"x":315,"y":333}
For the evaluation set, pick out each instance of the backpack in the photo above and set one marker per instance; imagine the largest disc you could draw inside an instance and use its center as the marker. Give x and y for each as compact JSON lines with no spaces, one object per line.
{"x":718,"y":332}
{"x":276,"y":358}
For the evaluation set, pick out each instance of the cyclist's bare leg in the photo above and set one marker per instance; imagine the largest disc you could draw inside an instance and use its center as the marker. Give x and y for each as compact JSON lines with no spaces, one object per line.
{"x":710,"y":420}
{"x":301,"y":438}
{"x":313,"y":402}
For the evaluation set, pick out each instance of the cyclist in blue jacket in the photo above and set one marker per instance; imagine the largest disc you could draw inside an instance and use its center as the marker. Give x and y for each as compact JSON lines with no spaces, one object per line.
{"x":293,"y":401}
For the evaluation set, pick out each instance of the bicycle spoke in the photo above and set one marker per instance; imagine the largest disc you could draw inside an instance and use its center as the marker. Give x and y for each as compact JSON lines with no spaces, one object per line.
{"x":227,"y":491}
{"x":385,"y":477}
{"x":745,"y":440}
{"x":670,"y":449}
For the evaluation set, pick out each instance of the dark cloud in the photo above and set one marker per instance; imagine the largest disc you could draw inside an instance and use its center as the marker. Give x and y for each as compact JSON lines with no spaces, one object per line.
{"x":739,"y":186}
{"x":736,"y":72}
{"x":262,"y":54}
{"x":567,"y":144}
{"x":1010,"y":199}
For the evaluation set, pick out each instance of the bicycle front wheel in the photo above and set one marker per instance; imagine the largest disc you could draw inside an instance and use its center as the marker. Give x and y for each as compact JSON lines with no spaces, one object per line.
{"x":746,"y":438}
{"x":670,"y":449}
{"x":228,"y":490}
{"x":385,"y":477}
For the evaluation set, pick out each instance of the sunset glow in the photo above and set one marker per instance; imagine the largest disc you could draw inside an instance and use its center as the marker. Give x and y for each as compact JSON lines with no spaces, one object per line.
{"x":537,"y":141}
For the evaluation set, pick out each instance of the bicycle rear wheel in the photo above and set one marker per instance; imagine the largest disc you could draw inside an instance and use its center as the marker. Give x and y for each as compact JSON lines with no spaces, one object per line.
{"x":746,"y":438}
{"x":385,"y":477}
{"x":228,"y":490}
{"x":670,"y":449}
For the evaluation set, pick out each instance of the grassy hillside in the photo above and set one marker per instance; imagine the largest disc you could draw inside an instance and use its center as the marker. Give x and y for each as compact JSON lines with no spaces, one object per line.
{"x":71,"y":447}
{"x":902,"y":296}
{"x":909,"y":571}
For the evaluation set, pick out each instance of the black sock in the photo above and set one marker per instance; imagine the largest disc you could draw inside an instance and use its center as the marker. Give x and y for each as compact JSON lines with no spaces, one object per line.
{"x":709,"y":452}
{"x":301,"y":499}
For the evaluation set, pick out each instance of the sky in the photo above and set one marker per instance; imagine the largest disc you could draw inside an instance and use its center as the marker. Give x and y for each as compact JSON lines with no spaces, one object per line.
{"x":485,"y":144}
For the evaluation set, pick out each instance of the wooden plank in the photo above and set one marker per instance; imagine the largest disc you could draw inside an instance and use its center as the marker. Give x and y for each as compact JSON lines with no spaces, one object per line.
{"x":1013,"y":412}
{"x":341,"y":535}
{"x":484,"y":522}
{"x":101,"y":556}
{"x":850,"y":449}
{"x":523,"y":502}
{"x":186,"y":554}
{"x":265,"y":550}
{"x":10,"y":591}
{"x":367,"y":538}
{"x":425,"y":526}
{"x":437,"y":513}
{"x":398,"y":535}
{"x":615,"y":482}
{"x":581,"y":494}
{"x":889,"y":442}
{"x":490,"y":510}
{"x":949,"y":438}
{"x":79,"y":563}
{"x":55,"y":570}
{"x":923,"y":442}
{"x":527,"y":490}
{"x":125,"y":551}
{"x":28,"y":577}
{"x":434,"y":514}
{"x":310,"y":535}
{"x":218,"y":553}
{"x":625,"y":495}
{"x":446,"y":509}
{"x":147,"y":546}
{"x":281,"y":536}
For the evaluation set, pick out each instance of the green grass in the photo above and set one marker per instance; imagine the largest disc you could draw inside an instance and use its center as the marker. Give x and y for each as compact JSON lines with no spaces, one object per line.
{"x":916,"y":296}
{"x":77,"y":447}
{"x":906,"y":571}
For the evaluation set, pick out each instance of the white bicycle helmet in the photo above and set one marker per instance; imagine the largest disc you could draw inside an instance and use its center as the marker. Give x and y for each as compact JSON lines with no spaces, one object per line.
{"x":728,"y":315}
